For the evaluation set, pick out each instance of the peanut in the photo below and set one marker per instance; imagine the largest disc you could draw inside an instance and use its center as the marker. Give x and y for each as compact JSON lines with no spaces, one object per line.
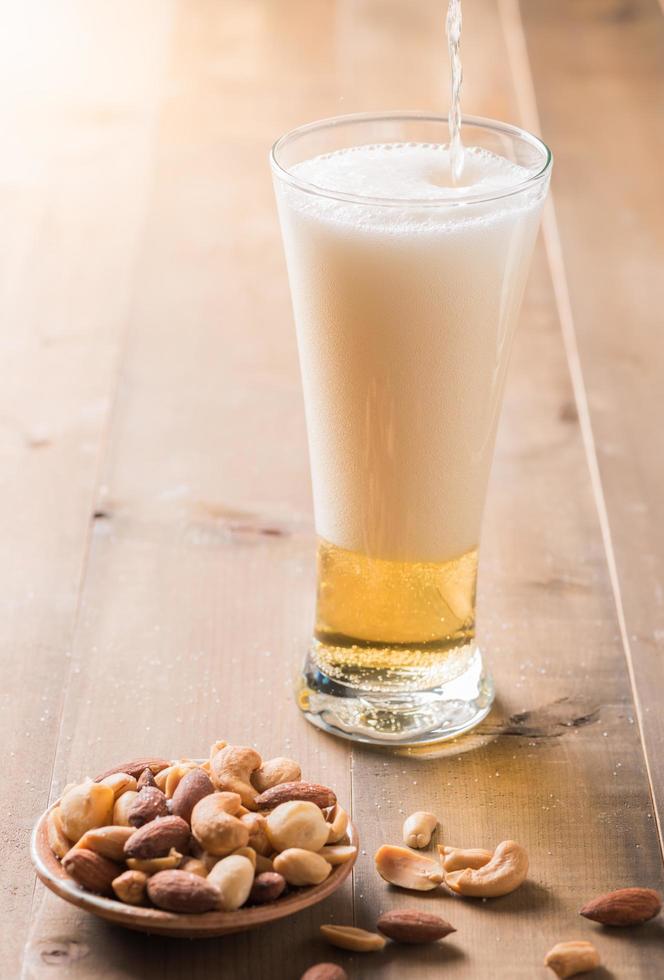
{"x":233,"y":876}
{"x":84,"y":807}
{"x":418,"y":828}
{"x":301,"y":867}
{"x":356,"y":940}
{"x":568,"y":959}
{"x":297,"y":824}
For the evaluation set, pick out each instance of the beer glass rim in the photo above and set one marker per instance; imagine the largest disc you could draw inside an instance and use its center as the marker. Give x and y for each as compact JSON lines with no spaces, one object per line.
{"x":473,"y":197}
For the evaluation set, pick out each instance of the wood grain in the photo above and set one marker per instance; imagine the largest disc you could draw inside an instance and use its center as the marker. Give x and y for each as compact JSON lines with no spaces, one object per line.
{"x":73,"y":189}
{"x":197,"y":595}
{"x":610,"y":141}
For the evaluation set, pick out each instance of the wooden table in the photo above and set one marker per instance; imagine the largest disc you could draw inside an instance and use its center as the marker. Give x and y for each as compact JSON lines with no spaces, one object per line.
{"x":157,"y":582}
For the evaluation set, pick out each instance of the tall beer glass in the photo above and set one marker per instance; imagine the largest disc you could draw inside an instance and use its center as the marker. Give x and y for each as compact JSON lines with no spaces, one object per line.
{"x":406,"y":288}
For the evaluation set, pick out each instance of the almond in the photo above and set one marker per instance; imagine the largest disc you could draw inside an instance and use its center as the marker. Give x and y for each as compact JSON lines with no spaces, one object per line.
{"x":145,"y":779}
{"x":413,"y":926}
{"x":155,"y":839}
{"x":325,"y":971}
{"x":180,"y":891}
{"x":92,"y":871}
{"x":286,"y":792}
{"x":136,"y":767}
{"x":624,"y":907}
{"x":191,"y":788}
{"x":148,"y":805}
{"x":267,"y":887}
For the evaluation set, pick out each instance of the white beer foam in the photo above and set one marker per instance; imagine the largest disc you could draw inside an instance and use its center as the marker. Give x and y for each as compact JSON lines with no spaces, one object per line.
{"x":405,"y":317}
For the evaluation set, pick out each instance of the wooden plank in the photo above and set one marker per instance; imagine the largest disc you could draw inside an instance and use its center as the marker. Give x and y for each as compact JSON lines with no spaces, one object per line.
{"x":608,"y":144}
{"x":198,"y":599}
{"x":76,"y":151}
{"x":186,"y":595}
{"x":568,"y":780}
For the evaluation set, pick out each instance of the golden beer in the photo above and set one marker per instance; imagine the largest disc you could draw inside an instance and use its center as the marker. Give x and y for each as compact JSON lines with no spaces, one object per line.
{"x":385,"y":624}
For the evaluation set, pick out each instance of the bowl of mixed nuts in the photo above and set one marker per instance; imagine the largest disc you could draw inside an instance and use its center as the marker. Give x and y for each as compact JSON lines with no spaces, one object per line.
{"x":196,"y":848}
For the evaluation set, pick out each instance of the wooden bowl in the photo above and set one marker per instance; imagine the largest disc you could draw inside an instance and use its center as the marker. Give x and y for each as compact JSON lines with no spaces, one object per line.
{"x":176,"y":924}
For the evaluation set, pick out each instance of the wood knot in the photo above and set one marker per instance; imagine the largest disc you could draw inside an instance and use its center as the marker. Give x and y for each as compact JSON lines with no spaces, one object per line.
{"x":63,"y":953}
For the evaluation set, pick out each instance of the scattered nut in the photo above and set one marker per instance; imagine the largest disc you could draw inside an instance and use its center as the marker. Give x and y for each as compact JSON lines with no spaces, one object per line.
{"x":231,"y":771}
{"x":130,"y":887}
{"x":92,"y":871}
{"x":412,"y":926}
{"x":86,"y":806}
{"x":624,"y":907}
{"x":233,"y":876}
{"x":325,"y":971}
{"x":151,"y":866}
{"x":192,"y":787}
{"x":338,"y":853}
{"x":136,"y":767}
{"x":107,"y":841}
{"x":156,"y":838}
{"x":57,"y":839}
{"x":215,"y":827}
{"x":275,"y":771}
{"x":406,"y":869}
{"x":338,"y":820}
{"x":147,"y":806}
{"x":418,"y":828}
{"x":287,"y":792}
{"x":297,"y":824}
{"x":145,"y":779}
{"x":459,"y":858}
{"x":119,"y":782}
{"x":267,"y":887}
{"x":301,"y":867}
{"x":507,"y":869}
{"x":180,"y":891}
{"x":122,"y":807}
{"x":568,"y":959}
{"x":357,"y":940}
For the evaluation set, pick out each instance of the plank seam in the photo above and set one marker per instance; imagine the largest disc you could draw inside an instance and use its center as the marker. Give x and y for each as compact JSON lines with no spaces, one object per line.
{"x":104,"y":443}
{"x":520,"y":66}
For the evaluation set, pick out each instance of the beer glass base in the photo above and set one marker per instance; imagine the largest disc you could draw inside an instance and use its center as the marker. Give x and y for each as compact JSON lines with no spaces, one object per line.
{"x":396,"y":718}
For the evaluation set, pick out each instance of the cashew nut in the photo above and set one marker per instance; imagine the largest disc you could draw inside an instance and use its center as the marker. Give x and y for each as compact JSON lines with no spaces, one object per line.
{"x":122,"y":807}
{"x":119,"y":782}
{"x":300,"y":867}
{"x":418,"y":828}
{"x":459,"y":858}
{"x":231,"y":770}
{"x":233,"y":876}
{"x":568,"y":959}
{"x":194,"y":866}
{"x":258,"y":838}
{"x":406,"y":869}
{"x":130,"y":887}
{"x":338,"y":820}
{"x":506,"y":870}
{"x":215,"y":826}
{"x":275,"y":771}
{"x":297,"y":823}
{"x":57,"y":838}
{"x":86,"y":806}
